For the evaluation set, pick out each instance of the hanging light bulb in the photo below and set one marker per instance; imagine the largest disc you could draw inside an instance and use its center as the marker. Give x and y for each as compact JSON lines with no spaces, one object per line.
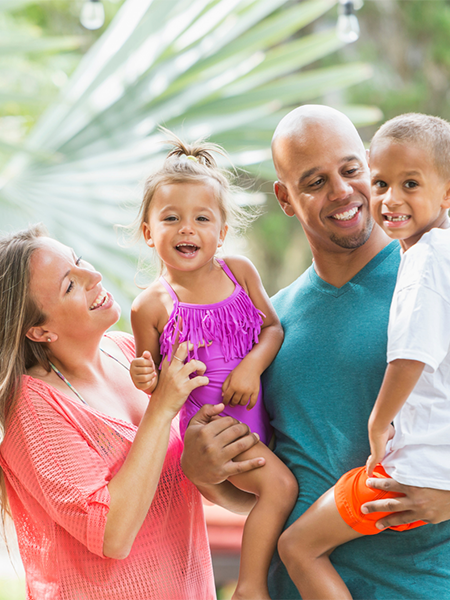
{"x":347,"y":28}
{"x":92,"y":14}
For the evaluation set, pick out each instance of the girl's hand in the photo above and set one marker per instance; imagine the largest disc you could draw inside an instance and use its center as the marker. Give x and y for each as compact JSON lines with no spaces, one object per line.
{"x":143,"y":373}
{"x":241,"y":387}
{"x":378,"y":441}
{"x":174,"y":384}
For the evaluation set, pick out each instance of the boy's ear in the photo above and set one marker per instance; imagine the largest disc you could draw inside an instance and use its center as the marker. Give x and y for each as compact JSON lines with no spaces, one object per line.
{"x":147,"y":235}
{"x":223,"y":235}
{"x":446,"y":200}
{"x":282,"y":195}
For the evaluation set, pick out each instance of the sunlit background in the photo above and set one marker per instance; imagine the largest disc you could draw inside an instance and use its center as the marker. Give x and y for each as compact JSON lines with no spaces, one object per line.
{"x":81,"y":102}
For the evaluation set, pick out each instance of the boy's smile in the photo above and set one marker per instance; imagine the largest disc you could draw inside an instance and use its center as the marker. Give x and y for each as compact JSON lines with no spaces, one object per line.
{"x":408,"y":194}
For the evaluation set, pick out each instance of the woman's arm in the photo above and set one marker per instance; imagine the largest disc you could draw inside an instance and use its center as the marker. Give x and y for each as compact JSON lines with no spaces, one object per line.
{"x":399,"y":380}
{"x":132,"y":489}
{"x":242,"y":385}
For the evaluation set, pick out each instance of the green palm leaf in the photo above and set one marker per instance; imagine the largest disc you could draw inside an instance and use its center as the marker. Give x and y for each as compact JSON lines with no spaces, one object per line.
{"x":227,"y":69}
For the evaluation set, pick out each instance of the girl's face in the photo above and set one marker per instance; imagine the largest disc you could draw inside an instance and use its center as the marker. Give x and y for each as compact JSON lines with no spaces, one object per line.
{"x":70,"y":293}
{"x":185,"y":225}
{"x":408,"y":196}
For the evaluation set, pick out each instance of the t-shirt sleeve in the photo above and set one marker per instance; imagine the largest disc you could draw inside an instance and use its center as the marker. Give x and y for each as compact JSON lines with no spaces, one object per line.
{"x":53,"y":468}
{"x":416,"y":326}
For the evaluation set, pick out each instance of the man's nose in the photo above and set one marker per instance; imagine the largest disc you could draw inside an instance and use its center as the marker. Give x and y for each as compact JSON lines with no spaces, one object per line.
{"x":340,"y":189}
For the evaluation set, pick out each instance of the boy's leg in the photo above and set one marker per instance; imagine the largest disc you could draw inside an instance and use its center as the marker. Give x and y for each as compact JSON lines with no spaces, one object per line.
{"x":276,"y":490}
{"x":306,"y":545}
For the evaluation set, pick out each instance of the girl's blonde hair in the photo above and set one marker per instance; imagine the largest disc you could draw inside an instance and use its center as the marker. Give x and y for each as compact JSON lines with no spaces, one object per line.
{"x":195,"y":163}
{"x":18,"y":312}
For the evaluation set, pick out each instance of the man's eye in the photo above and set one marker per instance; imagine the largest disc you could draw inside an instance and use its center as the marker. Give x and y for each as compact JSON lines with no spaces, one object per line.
{"x":352,"y":171}
{"x":317,"y":182}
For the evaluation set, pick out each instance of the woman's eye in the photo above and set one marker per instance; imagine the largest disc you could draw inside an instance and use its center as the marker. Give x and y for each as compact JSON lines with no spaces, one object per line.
{"x":78,"y":261}
{"x":70,"y":288}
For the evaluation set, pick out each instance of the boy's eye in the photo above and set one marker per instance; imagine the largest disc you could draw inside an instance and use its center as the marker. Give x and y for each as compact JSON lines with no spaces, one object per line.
{"x":379,"y":184}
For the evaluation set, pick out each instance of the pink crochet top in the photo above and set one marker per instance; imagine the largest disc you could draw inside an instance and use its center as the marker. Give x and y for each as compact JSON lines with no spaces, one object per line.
{"x":58,"y":456}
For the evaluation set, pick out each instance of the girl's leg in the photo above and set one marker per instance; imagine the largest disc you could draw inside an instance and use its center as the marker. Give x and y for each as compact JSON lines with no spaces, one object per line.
{"x":276,"y":490}
{"x":305,"y":548}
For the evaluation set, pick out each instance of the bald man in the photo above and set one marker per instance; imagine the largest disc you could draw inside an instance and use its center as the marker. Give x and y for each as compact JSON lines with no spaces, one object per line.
{"x":321,"y":387}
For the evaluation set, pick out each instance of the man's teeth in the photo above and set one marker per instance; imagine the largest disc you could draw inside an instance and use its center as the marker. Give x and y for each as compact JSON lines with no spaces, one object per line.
{"x":347,"y":215}
{"x":101,"y":299}
{"x":395,"y":219}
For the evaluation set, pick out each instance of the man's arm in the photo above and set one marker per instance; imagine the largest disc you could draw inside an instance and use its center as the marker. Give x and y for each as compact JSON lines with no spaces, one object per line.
{"x":211,"y":443}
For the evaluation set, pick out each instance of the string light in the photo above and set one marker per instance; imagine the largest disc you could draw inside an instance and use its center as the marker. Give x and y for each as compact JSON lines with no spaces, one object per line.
{"x":347,"y":28}
{"x":92,"y":14}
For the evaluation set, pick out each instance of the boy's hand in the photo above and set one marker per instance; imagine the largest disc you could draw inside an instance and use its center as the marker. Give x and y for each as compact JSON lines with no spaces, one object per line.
{"x":241,"y":387}
{"x":143,"y":373}
{"x":378,"y":441}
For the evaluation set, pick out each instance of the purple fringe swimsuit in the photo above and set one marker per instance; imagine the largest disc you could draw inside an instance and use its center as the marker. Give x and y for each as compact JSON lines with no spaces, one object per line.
{"x":232,"y":326}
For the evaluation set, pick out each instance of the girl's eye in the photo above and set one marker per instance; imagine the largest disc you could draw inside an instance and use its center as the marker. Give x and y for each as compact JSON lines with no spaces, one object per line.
{"x":411,"y":184}
{"x":170,"y":219}
{"x":203,"y":219}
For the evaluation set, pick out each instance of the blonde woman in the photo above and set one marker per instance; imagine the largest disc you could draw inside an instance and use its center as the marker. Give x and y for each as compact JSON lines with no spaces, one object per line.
{"x":91,"y":467}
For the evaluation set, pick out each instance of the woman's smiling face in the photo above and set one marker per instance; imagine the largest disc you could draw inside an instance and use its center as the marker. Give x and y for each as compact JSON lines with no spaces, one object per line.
{"x":69,"y":292}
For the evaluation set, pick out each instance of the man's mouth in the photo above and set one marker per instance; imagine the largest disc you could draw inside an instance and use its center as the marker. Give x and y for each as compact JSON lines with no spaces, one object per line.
{"x":346,"y":215}
{"x":100,"y":300}
{"x":187,"y":248}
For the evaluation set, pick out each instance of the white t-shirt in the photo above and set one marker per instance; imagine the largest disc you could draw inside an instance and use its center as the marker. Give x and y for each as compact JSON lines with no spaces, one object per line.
{"x":419,"y":329}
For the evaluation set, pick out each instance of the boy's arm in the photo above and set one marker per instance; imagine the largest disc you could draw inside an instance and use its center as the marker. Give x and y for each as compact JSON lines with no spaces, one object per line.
{"x":399,"y":381}
{"x":248,"y":372}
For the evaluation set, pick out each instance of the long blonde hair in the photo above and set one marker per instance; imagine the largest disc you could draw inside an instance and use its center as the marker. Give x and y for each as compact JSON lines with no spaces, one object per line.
{"x":18,"y":312}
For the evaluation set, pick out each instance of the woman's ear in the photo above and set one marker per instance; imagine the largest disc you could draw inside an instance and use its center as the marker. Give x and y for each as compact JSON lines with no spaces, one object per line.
{"x":39,"y":334}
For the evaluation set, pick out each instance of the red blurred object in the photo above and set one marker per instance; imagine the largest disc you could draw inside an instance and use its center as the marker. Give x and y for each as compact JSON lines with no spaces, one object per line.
{"x":224,"y":529}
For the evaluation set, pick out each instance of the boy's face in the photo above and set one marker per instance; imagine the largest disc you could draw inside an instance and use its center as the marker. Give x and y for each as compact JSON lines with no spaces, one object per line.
{"x":408,"y":195}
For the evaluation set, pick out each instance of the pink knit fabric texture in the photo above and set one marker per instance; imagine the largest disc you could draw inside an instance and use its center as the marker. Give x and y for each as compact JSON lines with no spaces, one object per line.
{"x":58,"y":456}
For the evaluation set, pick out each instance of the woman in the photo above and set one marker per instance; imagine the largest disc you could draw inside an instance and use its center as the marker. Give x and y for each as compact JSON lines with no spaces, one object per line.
{"x":91,"y":468}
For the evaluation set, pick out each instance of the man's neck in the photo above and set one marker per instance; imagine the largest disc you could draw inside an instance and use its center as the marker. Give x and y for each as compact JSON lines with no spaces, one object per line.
{"x":338,"y":268}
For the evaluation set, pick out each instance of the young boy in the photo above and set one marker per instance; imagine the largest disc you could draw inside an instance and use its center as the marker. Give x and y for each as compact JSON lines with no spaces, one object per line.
{"x":410,"y":198}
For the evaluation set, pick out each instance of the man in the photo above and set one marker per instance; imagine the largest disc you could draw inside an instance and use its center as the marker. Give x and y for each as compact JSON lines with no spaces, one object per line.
{"x":321,"y":387}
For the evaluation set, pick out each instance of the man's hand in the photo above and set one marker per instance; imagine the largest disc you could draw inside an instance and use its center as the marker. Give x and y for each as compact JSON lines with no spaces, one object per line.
{"x":417,"y":504}
{"x":210,"y":445}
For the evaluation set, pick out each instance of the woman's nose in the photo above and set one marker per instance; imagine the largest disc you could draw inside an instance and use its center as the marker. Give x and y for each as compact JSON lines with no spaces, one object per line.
{"x":92,"y":277}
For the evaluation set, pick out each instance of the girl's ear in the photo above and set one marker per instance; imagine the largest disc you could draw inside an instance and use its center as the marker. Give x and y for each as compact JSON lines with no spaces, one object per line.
{"x":147,"y":235}
{"x":222,"y":236}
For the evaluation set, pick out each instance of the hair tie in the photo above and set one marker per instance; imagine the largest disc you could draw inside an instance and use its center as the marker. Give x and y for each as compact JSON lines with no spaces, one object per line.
{"x":186,"y":157}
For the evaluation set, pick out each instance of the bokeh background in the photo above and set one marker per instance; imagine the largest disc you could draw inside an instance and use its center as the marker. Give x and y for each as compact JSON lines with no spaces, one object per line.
{"x":80,"y":110}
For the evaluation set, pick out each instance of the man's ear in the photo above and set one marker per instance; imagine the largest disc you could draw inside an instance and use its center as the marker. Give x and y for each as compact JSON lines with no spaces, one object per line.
{"x":282,"y":195}
{"x":147,"y":235}
{"x":39,"y":334}
{"x":223,"y":234}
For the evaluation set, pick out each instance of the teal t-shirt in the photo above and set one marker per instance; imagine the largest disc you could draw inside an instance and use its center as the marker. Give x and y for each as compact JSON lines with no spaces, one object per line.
{"x":319,"y":392}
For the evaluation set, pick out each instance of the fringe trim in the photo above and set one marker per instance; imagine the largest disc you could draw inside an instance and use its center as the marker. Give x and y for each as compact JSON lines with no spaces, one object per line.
{"x":236,"y":325}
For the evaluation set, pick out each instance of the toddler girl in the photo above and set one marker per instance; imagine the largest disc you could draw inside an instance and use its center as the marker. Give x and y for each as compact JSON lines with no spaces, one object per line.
{"x":221,"y":308}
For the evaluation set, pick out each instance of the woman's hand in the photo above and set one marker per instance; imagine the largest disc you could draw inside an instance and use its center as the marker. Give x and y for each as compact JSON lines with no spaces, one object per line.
{"x":175,"y":384}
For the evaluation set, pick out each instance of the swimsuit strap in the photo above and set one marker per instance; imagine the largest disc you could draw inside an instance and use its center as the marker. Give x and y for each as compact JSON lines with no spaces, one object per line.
{"x":170,"y":290}
{"x":61,"y":376}
{"x":227,"y":270}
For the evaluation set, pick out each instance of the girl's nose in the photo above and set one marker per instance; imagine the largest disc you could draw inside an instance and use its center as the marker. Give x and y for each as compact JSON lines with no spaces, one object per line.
{"x":186,"y":228}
